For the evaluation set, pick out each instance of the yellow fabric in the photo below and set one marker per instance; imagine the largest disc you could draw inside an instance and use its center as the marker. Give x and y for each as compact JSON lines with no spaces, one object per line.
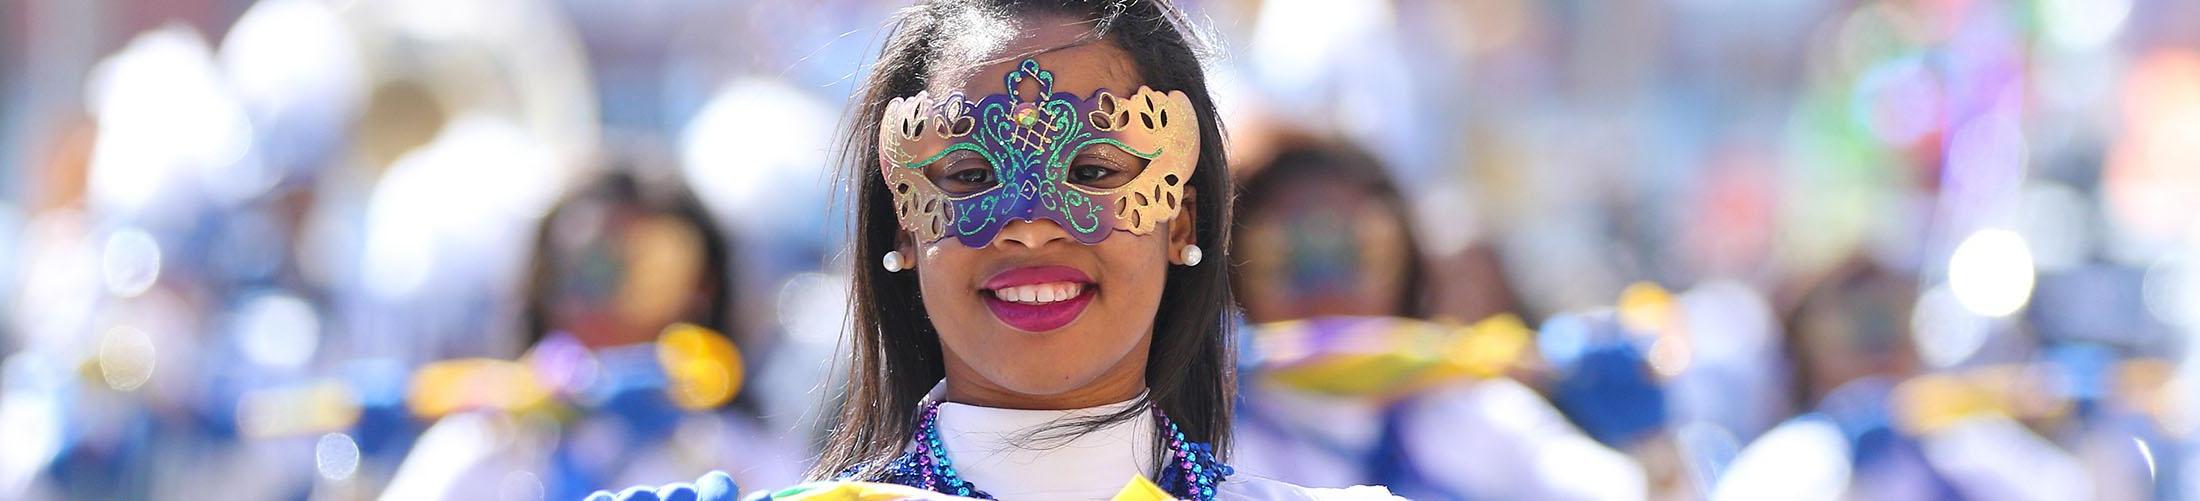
{"x":1137,"y":489}
{"x":1140,"y":489}
{"x":448,"y":386}
{"x":854,"y":491}
{"x":1380,"y":357}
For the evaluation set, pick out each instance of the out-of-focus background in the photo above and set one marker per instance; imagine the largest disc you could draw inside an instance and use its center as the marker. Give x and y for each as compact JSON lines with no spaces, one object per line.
{"x":522,"y":249}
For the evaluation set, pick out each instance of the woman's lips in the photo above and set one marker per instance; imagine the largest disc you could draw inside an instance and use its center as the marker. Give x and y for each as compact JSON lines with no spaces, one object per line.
{"x":1038,"y":299}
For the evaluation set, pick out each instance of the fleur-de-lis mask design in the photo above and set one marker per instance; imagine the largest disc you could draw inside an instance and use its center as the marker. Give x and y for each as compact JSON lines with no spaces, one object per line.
{"x":1029,"y":141}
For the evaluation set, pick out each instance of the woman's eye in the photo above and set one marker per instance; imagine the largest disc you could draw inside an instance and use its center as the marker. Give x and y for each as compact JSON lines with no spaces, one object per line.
{"x":1102,"y":167}
{"x":1088,"y":174}
{"x":974,"y":176}
{"x":969,"y":180}
{"x":962,"y":173}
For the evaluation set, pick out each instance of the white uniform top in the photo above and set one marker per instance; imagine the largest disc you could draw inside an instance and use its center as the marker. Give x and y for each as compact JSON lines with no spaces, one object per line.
{"x":1492,"y":438}
{"x":486,"y":455}
{"x":996,"y":450}
{"x":1982,"y":457}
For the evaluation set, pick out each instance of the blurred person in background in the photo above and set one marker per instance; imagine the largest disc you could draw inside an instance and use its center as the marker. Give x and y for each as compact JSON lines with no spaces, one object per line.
{"x":191,"y":298}
{"x":1327,"y":247}
{"x":1848,"y":335}
{"x":1326,"y":233}
{"x":1672,"y":379}
{"x":1877,"y":422}
{"x":629,"y":302}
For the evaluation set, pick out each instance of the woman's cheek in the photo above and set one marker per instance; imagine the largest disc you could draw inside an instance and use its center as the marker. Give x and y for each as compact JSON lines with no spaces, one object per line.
{"x":1138,"y":267}
{"x":941,"y":280}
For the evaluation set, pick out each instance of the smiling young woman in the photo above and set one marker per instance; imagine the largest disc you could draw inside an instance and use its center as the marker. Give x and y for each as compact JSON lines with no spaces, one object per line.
{"x":1030,"y":176}
{"x":1037,"y":184}
{"x":1040,"y":325}
{"x":1041,"y":183}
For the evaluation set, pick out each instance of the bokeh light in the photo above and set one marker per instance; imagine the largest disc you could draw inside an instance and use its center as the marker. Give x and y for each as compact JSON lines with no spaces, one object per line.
{"x":126,"y":358}
{"x":1991,"y":272}
{"x":528,"y":249}
{"x":131,"y":262}
{"x":336,"y":456}
{"x":278,"y":331}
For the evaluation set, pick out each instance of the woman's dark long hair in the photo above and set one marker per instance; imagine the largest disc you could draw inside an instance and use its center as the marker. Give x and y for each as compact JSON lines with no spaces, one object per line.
{"x":897,"y":354}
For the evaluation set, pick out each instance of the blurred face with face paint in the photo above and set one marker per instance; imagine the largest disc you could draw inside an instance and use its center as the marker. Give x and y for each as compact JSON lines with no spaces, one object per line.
{"x":1325,"y":235}
{"x":617,"y":263}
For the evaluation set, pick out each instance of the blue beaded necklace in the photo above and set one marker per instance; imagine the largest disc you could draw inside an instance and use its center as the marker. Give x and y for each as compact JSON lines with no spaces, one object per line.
{"x":1191,"y":472}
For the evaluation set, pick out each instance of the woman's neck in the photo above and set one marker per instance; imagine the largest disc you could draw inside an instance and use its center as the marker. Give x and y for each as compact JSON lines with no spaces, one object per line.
{"x":967,"y":387}
{"x":1027,"y":454}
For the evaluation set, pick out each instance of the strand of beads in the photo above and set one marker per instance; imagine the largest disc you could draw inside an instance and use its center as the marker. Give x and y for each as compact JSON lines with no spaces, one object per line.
{"x":1190,"y":470}
{"x":926,"y":465}
{"x":939,"y":472}
{"x":1193,"y":464}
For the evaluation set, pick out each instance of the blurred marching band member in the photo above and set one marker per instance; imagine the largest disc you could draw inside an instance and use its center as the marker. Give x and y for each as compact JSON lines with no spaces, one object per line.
{"x":1673,"y":380}
{"x":194,"y":299}
{"x":1327,"y":243}
{"x":1847,"y":336}
{"x":474,"y":122}
{"x":1876,"y":424}
{"x":627,"y":297}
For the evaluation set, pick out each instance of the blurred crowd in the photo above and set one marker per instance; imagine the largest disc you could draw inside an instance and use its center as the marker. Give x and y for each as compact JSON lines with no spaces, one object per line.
{"x":1509,"y":249}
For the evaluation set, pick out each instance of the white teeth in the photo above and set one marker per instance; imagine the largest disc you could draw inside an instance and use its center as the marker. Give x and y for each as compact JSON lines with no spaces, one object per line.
{"x":1040,"y":293}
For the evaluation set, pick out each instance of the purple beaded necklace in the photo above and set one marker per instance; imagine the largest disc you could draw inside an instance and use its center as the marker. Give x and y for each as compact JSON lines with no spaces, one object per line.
{"x":1191,"y":471}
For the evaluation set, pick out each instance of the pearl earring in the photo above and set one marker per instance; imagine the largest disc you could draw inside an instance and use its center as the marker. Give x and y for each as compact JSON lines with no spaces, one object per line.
{"x":893,"y":262}
{"x":1191,"y":255}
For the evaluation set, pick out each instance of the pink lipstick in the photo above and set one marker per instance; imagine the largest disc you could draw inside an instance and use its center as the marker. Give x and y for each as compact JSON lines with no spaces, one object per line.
{"x":1040,"y":298}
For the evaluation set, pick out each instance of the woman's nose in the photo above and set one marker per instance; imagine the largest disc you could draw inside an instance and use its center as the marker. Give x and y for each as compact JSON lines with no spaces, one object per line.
{"x":1032,"y":233}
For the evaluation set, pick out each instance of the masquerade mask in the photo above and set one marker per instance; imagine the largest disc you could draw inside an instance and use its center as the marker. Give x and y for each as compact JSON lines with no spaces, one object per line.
{"x":1029,"y":142}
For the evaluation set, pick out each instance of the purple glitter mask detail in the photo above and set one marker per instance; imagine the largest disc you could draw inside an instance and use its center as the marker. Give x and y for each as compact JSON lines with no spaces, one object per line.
{"x":1029,"y":144}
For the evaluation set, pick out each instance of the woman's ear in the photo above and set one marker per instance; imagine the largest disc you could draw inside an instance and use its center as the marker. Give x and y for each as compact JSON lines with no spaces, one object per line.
{"x":1183,"y":230}
{"x":905,"y":248}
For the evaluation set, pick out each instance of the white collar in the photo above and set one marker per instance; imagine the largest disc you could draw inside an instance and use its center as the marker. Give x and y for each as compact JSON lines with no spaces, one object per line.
{"x":995,"y":450}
